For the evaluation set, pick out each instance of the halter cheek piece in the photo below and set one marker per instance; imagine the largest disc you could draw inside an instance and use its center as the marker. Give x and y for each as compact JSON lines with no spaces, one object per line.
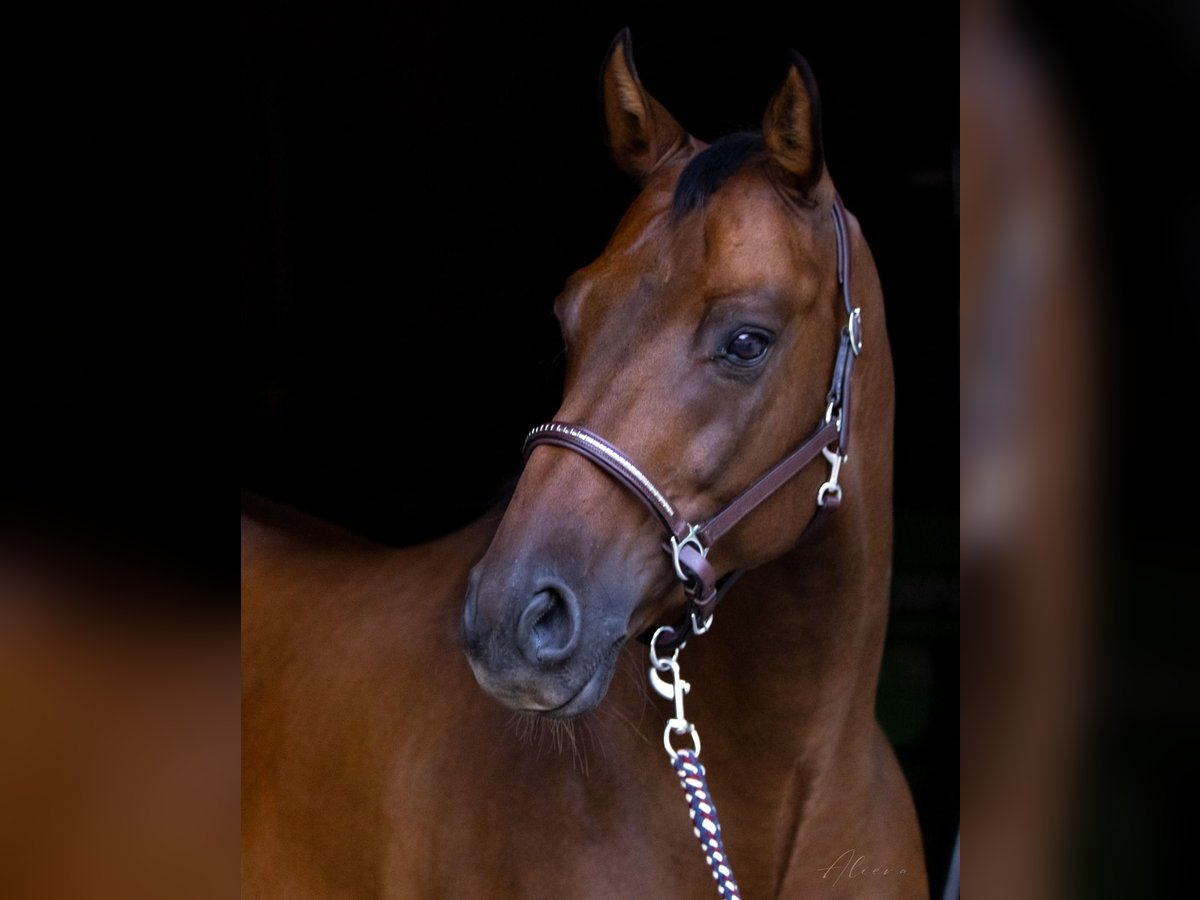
{"x":687,"y":544}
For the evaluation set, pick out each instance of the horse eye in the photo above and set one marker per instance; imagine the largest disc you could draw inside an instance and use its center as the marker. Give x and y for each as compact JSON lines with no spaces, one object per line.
{"x":747,"y":348}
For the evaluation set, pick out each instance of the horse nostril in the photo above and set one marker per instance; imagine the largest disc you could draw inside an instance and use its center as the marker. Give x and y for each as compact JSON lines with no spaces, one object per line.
{"x":548,"y":629}
{"x":468,"y":630}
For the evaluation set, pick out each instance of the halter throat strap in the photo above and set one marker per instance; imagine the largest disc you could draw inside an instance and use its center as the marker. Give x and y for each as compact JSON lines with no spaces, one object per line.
{"x":688,"y":544}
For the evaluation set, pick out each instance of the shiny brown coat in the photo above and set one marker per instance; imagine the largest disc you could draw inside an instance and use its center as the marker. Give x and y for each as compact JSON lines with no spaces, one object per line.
{"x":375,"y":765}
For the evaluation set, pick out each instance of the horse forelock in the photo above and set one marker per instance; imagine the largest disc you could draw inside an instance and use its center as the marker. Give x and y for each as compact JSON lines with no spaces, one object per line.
{"x":709,"y":169}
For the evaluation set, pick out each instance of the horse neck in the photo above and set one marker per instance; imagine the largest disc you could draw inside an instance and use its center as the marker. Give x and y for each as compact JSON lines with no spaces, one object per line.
{"x":799,"y":644}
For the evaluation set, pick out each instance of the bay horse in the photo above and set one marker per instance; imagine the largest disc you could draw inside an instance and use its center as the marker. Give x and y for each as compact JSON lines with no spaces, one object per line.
{"x":379,"y":760}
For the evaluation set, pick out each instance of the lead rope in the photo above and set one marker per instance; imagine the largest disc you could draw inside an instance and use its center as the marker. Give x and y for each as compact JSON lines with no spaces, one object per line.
{"x":686,"y":762}
{"x":704,"y":821}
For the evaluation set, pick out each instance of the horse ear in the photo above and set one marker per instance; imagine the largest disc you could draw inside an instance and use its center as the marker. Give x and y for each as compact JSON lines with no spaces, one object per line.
{"x":641,"y":134}
{"x":792,"y":127}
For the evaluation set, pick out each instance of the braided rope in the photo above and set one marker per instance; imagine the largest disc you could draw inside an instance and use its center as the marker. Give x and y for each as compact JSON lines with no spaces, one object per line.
{"x":704,"y":821}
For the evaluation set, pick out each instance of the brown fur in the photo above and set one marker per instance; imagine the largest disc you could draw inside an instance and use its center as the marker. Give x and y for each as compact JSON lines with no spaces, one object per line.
{"x":374,"y":763}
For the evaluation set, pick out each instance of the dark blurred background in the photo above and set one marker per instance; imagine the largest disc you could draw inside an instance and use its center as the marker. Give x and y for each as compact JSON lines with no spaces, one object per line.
{"x":418,"y":183}
{"x":127,"y":425}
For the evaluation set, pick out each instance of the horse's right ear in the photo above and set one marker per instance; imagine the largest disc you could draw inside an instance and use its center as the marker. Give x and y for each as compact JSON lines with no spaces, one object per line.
{"x":641,"y":134}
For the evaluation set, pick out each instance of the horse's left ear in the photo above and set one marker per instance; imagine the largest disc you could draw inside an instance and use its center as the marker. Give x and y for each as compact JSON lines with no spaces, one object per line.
{"x":792,"y":127}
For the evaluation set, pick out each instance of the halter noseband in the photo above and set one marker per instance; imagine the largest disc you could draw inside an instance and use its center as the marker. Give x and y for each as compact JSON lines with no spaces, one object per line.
{"x":688,"y":544}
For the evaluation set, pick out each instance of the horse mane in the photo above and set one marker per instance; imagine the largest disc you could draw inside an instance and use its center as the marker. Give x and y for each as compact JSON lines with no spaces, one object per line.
{"x":716,"y":164}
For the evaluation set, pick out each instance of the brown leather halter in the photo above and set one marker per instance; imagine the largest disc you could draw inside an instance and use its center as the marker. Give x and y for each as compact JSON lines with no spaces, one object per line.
{"x":688,"y":544}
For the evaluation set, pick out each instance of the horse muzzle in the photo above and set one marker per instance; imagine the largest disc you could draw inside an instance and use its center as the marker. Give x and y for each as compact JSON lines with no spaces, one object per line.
{"x":529,"y":646}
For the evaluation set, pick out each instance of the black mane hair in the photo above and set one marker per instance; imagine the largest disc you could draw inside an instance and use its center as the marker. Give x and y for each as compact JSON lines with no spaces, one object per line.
{"x":704,"y":175}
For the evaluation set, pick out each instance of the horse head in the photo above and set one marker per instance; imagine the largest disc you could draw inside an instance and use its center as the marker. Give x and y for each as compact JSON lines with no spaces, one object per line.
{"x":700,"y":343}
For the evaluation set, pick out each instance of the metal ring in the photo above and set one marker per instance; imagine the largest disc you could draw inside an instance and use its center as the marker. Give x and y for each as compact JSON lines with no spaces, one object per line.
{"x":697,"y":628}
{"x":828,"y":488}
{"x":680,"y":726}
{"x":676,"y":546}
{"x":854,"y":326}
{"x":663,"y":665}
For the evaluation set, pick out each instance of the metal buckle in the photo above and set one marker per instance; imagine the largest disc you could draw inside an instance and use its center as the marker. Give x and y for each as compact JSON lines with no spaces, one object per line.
{"x":675,"y":689}
{"x":834,"y":404}
{"x":854,"y":330}
{"x":676,"y":546}
{"x":831,"y":486}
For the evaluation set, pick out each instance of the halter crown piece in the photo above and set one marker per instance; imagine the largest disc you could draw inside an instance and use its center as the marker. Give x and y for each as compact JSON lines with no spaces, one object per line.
{"x":688,"y":544}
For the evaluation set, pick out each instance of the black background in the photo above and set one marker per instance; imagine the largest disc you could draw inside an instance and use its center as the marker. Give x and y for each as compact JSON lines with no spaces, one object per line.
{"x":419,"y":185}
{"x":163,"y":169}
{"x":397,"y":193}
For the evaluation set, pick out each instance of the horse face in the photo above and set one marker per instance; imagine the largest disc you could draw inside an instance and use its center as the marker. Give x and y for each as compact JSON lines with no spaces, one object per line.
{"x":701,"y":343}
